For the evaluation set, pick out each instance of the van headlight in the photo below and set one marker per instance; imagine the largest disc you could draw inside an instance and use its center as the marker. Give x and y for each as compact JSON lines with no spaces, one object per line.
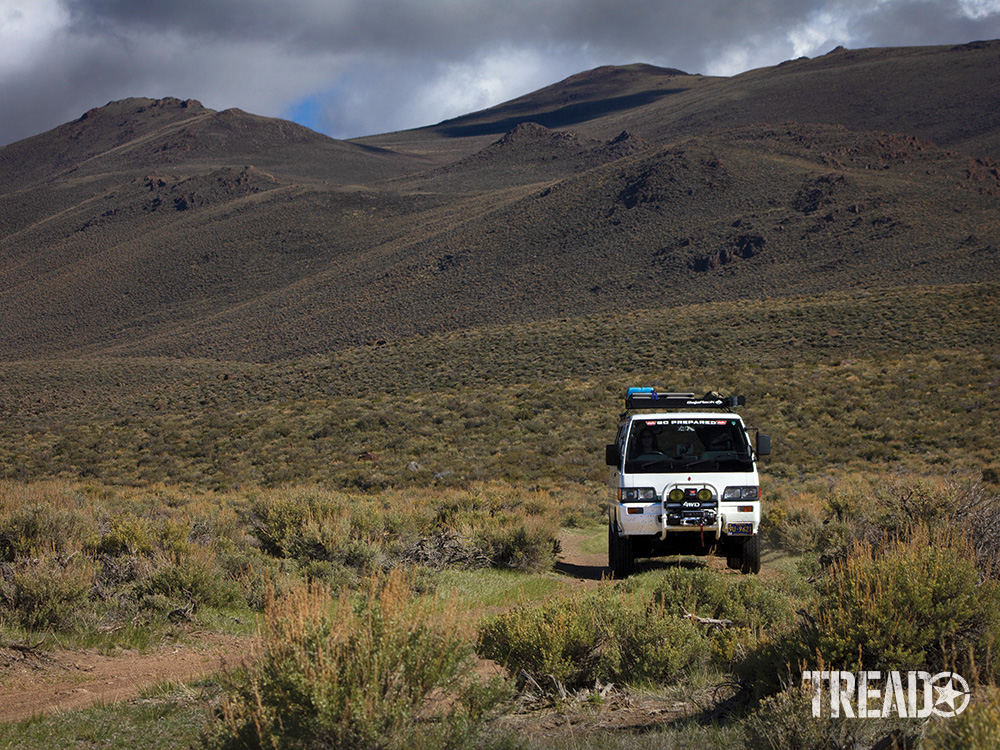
{"x":636,"y":494}
{"x":741,"y":493}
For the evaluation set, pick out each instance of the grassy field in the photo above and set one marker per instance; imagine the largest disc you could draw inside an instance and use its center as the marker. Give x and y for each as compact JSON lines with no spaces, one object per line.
{"x":896,"y":381}
{"x":142,"y":500}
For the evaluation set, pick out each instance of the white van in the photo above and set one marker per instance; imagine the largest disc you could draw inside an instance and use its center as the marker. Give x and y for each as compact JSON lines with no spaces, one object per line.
{"x":684,"y":478}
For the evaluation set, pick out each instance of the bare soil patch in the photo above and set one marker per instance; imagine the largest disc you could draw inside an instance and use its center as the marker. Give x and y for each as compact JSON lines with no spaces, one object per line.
{"x":587,"y":568}
{"x":34,"y":681}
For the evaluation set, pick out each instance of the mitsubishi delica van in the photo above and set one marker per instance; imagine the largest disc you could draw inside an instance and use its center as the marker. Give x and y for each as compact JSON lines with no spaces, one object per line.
{"x":685,"y":482}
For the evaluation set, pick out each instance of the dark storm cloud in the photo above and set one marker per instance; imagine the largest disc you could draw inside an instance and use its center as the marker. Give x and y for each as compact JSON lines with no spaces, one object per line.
{"x":365,"y":66}
{"x":453,"y":27}
{"x":917,"y":23}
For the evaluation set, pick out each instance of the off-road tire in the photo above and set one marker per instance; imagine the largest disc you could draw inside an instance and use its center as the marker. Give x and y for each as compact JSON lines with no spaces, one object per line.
{"x":750,"y":556}
{"x":621,"y":556}
{"x":734,"y":560}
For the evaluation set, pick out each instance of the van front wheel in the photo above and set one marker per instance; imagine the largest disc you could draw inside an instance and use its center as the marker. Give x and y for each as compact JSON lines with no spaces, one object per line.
{"x":750,"y":556}
{"x":621,"y":556}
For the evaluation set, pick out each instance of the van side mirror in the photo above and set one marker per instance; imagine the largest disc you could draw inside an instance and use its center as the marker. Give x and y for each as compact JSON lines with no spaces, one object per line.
{"x":763,"y":444}
{"x":612,"y":456}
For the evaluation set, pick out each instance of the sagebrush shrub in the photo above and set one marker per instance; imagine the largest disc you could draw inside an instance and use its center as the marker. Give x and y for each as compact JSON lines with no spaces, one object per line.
{"x":785,"y":720}
{"x":975,"y":728}
{"x":517,"y":544}
{"x":127,"y":534}
{"x":754,"y":608}
{"x":881,"y":514}
{"x":917,"y":604}
{"x":47,"y":593}
{"x":327,"y":539}
{"x":190,"y":580}
{"x":253,"y":571}
{"x":552,"y":640}
{"x":277,"y":520}
{"x":357,"y":672}
{"x":609,"y":636}
{"x":28,"y":530}
{"x":745,"y":600}
{"x":331,"y":538}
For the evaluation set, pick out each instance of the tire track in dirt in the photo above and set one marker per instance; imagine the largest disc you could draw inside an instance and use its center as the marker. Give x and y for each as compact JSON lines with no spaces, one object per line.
{"x":587,"y":568}
{"x":35,"y":682}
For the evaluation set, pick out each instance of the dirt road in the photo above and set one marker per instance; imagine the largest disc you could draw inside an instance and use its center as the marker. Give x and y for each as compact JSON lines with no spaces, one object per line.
{"x":35,"y":681}
{"x":588,"y":568}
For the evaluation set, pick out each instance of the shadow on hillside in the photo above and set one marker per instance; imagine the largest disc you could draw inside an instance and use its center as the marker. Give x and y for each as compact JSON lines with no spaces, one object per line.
{"x":571,"y":114}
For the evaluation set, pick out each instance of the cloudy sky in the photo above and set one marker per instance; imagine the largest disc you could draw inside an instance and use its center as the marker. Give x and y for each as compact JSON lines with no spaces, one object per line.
{"x":357,"y":67}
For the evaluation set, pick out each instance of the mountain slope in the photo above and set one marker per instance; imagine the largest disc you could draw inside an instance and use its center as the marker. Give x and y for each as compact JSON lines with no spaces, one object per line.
{"x":165,"y":228}
{"x":942,"y":94}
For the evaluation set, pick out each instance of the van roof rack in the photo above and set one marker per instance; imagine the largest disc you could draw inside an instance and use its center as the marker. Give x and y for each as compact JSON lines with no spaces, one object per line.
{"x":650,"y":398}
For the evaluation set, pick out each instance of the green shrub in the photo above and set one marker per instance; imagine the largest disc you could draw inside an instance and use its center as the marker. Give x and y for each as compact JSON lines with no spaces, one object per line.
{"x":785,"y":720}
{"x":881,"y":514}
{"x":331,"y":540}
{"x":253,"y":571}
{"x":753,"y":606}
{"x":29,"y":530}
{"x":916,"y":605}
{"x":381,"y":670}
{"x":608,"y":636}
{"x":973,"y":729}
{"x":518,"y":545}
{"x":319,"y":533}
{"x":794,"y":529}
{"x":47,"y":593}
{"x":171,"y":536}
{"x":127,"y":534}
{"x":277,"y":520}
{"x":746,"y":600}
{"x":191,"y":581}
{"x":328,"y":537}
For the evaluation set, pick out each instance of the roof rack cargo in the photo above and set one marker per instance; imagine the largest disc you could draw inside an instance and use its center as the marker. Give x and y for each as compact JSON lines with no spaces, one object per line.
{"x":650,"y":398}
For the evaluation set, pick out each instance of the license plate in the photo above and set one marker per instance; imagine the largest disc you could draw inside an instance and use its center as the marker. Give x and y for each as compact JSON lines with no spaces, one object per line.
{"x":739,"y":529}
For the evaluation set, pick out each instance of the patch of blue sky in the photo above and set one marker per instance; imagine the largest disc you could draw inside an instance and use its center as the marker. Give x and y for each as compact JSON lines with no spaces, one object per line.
{"x":308,"y":112}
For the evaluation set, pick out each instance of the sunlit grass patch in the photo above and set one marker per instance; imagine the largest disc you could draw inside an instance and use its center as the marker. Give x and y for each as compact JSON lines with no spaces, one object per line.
{"x":590,"y":540}
{"x":481,"y":590}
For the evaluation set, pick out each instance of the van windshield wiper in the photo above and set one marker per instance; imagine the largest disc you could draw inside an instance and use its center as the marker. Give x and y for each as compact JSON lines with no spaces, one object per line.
{"x":656,"y":461}
{"x":700,"y":462}
{"x":720,"y":459}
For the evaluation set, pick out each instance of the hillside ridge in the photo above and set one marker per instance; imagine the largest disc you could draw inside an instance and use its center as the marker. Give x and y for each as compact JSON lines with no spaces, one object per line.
{"x":159,"y":227}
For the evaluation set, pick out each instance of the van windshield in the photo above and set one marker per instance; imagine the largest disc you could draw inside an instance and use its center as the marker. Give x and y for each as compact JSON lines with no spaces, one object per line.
{"x":668,"y":445}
